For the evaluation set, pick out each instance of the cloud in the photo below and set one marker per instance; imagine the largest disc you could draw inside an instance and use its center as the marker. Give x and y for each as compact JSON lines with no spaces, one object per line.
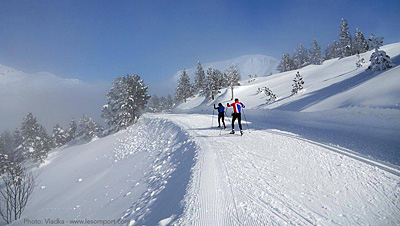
{"x":50,"y":98}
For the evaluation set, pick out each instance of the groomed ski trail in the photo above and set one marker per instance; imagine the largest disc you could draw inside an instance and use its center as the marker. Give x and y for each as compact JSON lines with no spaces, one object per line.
{"x":270,"y":178}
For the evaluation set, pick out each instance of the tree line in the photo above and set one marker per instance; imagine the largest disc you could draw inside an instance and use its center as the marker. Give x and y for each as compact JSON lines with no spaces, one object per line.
{"x":207,"y":85}
{"x":346,"y":45}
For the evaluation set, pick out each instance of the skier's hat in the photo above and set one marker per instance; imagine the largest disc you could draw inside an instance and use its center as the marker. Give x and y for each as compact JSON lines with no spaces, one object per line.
{"x":236,"y":99}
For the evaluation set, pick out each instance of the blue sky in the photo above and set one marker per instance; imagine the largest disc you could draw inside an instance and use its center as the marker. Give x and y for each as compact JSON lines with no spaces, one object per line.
{"x":96,"y":41}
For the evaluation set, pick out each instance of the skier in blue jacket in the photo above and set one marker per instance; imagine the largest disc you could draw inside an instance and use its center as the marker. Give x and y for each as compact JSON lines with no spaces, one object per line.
{"x":221,"y":114}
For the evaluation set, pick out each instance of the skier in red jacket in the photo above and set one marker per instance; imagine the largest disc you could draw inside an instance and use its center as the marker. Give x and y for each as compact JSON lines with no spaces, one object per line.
{"x":237,"y":114}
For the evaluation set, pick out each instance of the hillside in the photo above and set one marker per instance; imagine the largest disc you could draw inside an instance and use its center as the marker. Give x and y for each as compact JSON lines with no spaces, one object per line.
{"x":340,"y":104}
{"x":338,"y":83}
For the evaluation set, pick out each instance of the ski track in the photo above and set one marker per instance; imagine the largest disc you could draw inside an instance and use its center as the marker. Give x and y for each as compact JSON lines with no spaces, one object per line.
{"x":269,"y":178}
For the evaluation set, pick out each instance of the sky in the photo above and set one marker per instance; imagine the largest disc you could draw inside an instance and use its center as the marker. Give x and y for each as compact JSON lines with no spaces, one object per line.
{"x":96,"y":41}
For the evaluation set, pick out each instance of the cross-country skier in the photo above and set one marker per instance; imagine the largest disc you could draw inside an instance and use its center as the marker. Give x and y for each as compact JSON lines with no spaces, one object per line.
{"x":221,"y":114}
{"x":237,"y":114}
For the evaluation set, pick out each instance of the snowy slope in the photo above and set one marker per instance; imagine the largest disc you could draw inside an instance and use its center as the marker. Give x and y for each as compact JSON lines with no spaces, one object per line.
{"x":176,"y":169}
{"x":50,"y":98}
{"x":119,"y":176}
{"x":248,"y":65}
{"x":340,"y":104}
{"x":335,"y":84}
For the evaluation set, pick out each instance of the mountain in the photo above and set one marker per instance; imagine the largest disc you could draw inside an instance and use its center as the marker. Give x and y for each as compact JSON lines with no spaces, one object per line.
{"x":248,"y":65}
{"x":52,"y":99}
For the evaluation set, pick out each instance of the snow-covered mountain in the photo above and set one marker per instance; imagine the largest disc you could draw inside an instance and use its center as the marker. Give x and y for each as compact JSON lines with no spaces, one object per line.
{"x":248,"y":65}
{"x":52,"y":99}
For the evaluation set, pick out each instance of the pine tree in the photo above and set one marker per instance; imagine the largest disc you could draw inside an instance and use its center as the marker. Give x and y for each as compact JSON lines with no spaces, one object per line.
{"x":213,"y":80}
{"x":271,"y":97}
{"x":72,"y":130}
{"x":360,"y":61}
{"x":301,"y":57}
{"x":18,"y":146}
{"x":6,"y":151}
{"x":88,"y":128}
{"x":163,"y":104}
{"x":333,"y":50}
{"x":297,"y":83}
{"x":199,"y":79}
{"x":379,"y":60}
{"x":286,"y":63}
{"x":43,"y":145}
{"x":360,"y":43}
{"x":315,"y":53}
{"x":30,"y":135}
{"x":345,"y":39}
{"x":222,"y":79}
{"x":59,"y":137}
{"x":127,"y":97}
{"x":155,"y":104}
{"x":233,"y":78}
{"x":184,"y":89}
{"x":170,"y":103}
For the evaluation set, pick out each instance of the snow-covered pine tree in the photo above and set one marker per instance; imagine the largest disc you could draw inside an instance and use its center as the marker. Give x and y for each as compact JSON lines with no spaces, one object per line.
{"x":315,"y":53}
{"x":271,"y":97}
{"x":213,"y":83}
{"x":333,"y":50}
{"x":252,"y":78}
{"x":170,"y":103}
{"x":82,"y":129}
{"x":199,"y":79}
{"x":328,"y":52}
{"x":297,"y":83}
{"x":379,"y":60}
{"x":18,"y":146}
{"x":59,"y":137}
{"x":72,"y":130}
{"x":43,"y":146}
{"x":286,"y":63}
{"x":88,"y":128}
{"x":223,"y":79}
{"x":184,"y":89}
{"x":360,"y":61}
{"x":30,"y":135}
{"x":155,"y":104}
{"x":301,"y":57}
{"x":127,"y":97}
{"x":163,"y":104}
{"x":360,"y":43}
{"x":233,"y":78}
{"x":345,"y":39}
{"x":6,"y":151}
{"x":94,"y":129}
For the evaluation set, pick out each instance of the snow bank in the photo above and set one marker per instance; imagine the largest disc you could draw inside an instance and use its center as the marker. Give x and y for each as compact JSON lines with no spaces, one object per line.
{"x":119,"y":177}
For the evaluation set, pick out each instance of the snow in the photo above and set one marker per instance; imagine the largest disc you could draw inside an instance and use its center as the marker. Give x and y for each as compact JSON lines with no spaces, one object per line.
{"x":326,"y":156}
{"x":340,"y":104}
{"x":175,"y":169}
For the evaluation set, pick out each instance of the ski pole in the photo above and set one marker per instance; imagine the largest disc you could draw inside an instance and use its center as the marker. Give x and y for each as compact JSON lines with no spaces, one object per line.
{"x":246,"y":121}
{"x":212,"y":119}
